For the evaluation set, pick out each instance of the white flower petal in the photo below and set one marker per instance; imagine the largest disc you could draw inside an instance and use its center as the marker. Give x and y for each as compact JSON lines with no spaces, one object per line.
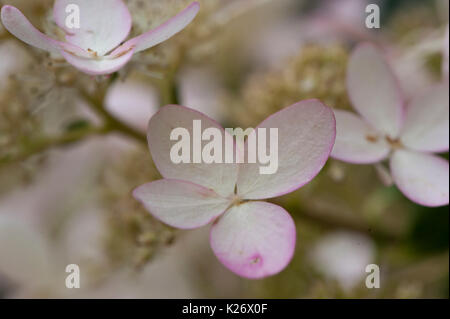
{"x":254,"y":239}
{"x":356,"y":141}
{"x":374,"y":90}
{"x":306,"y":134}
{"x":132,"y":101}
{"x":423,"y":178}
{"x":344,"y":256}
{"x":104,"y":24}
{"x":181,"y":204}
{"x":16,"y":23}
{"x":427,"y":121}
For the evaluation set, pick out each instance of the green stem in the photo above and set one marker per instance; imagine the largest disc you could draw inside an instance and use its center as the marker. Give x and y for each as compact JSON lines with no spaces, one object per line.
{"x":112,"y":123}
{"x":169,"y":91}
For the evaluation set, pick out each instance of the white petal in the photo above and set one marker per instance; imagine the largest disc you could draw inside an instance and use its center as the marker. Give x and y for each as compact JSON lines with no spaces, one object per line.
{"x":104,"y":24}
{"x":344,"y":256}
{"x":163,"y":32}
{"x":254,"y":239}
{"x":356,"y":141}
{"x":306,"y":134}
{"x":374,"y":90}
{"x":16,"y":23}
{"x":132,"y":101}
{"x":219,"y":177}
{"x":427,"y":121}
{"x":423,"y":178}
{"x":98,"y":66}
{"x":181,"y":204}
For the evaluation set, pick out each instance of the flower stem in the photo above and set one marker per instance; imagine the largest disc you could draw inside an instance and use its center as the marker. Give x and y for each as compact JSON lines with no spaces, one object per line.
{"x":110,"y":122}
{"x":47,"y":143}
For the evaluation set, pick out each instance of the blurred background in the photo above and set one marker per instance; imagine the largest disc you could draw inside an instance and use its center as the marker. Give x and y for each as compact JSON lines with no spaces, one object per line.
{"x":72,"y":148}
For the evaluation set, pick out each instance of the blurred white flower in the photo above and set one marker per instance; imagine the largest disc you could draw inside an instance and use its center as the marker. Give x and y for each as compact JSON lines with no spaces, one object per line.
{"x":133,"y":101}
{"x":343,"y":256}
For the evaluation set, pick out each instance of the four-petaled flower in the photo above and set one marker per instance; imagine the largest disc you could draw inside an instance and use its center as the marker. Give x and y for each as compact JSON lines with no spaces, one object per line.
{"x":407,"y":134}
{"x":252,"y":238}
{"x":95,"y":47}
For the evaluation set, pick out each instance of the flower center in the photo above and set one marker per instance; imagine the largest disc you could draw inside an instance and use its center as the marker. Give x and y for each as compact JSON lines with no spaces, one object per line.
{"x":394,"y":143}
{"x":236,"y":200}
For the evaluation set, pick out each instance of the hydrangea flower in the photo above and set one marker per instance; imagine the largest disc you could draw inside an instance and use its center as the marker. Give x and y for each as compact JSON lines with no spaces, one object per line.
{"x":96,"y":46}
{"x":389,"y":128}
{"x":251,"y":237}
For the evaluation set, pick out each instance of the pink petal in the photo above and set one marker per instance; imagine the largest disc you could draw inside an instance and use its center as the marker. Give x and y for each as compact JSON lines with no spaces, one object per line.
{"x":423,"y":178}
{"x":356,"y":141}
{"x":16,"y":23}
{"x":219,"y":177}
{"x":427,"y":121}
{"x":306,"y":134}
{"x":104,"y":24}
{"x":181,"y":204}
{"x":374,"y":90}
{"x":98,"y":66}
{"x":254,"y":239}
{"x":163,"y":32}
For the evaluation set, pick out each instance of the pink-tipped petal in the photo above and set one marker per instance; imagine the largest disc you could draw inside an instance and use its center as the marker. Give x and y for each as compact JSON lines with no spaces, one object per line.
{"x":306,"y":135}
{"x":98,"y":66}
{"x":427,"y":121}
{"x":374,"y":90}
{"x":254,"y":239}
{"x":163,"y":32}
{"x":16,"y":23}
{"x":218,"y":176}
{"x":356,"y":141}
{"x":104,"y":24}
{"x":181,"y":204}
{"x":423,"y":178}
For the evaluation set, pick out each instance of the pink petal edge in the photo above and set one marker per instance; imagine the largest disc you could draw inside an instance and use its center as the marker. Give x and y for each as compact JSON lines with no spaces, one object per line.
{"x":421,"y":177}
{"x":17,"y":24}
{"x":163,"y":32}
{"x":254,"y":240}
{"x":280,"y":187}
{"x":195,"y":206}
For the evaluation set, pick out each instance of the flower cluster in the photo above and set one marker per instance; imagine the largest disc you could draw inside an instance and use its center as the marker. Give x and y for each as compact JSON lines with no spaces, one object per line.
{"x":407,"y":134}
{"x":95,"y":47}
{"x":42,"y":97}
